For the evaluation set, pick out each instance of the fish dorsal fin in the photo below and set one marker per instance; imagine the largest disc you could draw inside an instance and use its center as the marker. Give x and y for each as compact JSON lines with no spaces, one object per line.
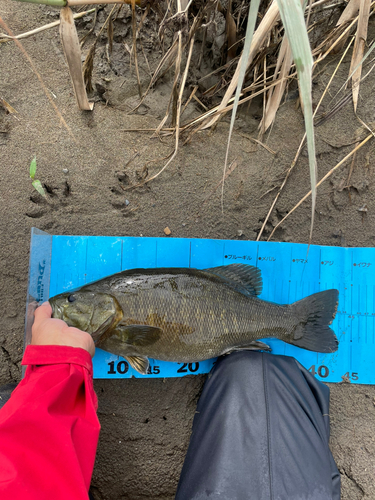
{"x":139,"y":363}
{"x":139,"y":335}
{"x":247,"y":278}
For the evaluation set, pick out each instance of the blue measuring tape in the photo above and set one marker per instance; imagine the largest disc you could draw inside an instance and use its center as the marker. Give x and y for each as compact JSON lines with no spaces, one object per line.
{"x":59,"y":263}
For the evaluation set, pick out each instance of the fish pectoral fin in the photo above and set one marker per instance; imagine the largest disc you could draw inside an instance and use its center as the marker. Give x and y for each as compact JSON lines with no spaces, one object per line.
{"x":256,"y":345}
{"x":139,"y":363}
{"x":139,"y":335}
{"x":241,"y":277}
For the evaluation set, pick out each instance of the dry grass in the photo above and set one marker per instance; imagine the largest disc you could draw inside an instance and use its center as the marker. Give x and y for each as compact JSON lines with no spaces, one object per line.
{"x":267,"y":66}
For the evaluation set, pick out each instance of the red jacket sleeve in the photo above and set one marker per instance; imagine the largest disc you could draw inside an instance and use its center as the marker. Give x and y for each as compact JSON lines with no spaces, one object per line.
{"x":49,"y":428}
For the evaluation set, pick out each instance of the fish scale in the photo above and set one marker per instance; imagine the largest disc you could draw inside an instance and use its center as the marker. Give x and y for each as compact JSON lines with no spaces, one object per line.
{"x":209,"y":328}
{"x":188,"y":315}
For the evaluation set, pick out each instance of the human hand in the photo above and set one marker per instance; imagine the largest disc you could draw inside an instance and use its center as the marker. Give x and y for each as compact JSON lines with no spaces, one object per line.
{"x":53,"y":331}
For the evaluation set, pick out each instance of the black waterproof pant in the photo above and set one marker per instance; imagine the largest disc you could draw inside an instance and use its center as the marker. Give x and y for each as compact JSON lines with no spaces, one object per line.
{"x":261,"y":432}
{"x":5,"y":392}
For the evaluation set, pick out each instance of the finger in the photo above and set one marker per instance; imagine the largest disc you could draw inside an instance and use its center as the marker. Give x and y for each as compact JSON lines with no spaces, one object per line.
{"x":43,"y":312}
{"x":92,"y":349}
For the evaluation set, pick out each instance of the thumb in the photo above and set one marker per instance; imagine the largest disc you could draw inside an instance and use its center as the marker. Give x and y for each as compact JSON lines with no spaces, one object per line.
{"x":43,"y":312}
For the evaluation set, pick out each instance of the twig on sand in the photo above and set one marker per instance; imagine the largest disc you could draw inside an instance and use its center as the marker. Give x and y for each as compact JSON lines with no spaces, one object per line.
{"x":354,"y":151}
{"x":179,"y":103}
{"x":301,"y":146}
{"x":47,"y":93}
{"x":42,"y":28}
{"x":229,"y":170}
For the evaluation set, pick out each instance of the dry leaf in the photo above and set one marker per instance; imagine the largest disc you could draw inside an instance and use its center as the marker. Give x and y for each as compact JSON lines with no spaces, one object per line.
{"x":270,"y":18}
{"x":134,"y":30}
{"x":359,"y":48}
{"x":7,"y":106}
{"x":72,"y":51}
{"x":184,"y":4}
{"x":231,"y":35}
{"x":349,"y":13}
{"x":276,"y":93}
{"x":88,"y":66}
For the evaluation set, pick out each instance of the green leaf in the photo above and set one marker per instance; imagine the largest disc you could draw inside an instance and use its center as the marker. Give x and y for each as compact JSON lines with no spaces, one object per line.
{"x":291,"y":13}
{"x":33,"y":168}
{"x":38,"y":186}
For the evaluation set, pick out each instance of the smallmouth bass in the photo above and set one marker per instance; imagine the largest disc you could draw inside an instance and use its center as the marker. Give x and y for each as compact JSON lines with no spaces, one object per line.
{"x":188,"y":315}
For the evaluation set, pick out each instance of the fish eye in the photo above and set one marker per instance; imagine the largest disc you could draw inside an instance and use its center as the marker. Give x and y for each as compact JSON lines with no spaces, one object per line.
{"x":71,"y":298}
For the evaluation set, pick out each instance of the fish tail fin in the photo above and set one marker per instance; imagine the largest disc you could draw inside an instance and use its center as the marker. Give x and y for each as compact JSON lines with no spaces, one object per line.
{"x":314,"y":315}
